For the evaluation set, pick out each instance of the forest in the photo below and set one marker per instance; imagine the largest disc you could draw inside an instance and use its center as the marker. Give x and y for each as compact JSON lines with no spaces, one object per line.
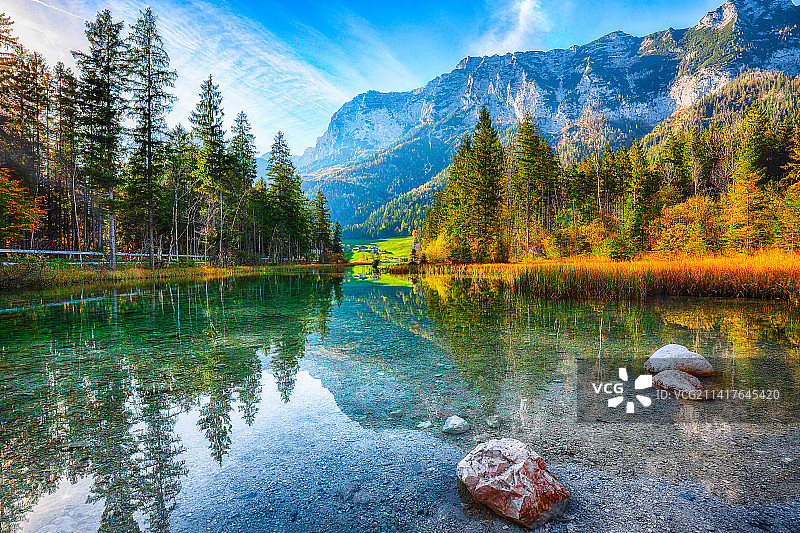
{"x":87,"y":162}
{"x":726,"y":187}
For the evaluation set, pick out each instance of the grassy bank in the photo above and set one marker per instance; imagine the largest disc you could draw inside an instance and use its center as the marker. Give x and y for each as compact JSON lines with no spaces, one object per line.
{"x":760,"y":276}
{"x":36,"y":273}
{"x":400,"y":248}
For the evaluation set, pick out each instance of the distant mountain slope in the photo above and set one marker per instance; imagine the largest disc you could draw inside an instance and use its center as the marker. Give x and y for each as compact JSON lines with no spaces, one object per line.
{"x":380,"y":145}
{"x":401,"y":215}
{"x":778,"y":93}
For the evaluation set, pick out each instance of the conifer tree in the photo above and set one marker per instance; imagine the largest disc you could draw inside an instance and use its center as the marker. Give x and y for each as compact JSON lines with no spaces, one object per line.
{"x":321,"y":232}
{"x":102,"y":104}
{"x":759,"y":142}
{"x":287,"y":204}
{"x":336,"y":244}
{"x":242,"y":156}
{"x":211,"y":164}
{"x":65,"y":150}
{"x":485,"y":177}
{"x":150,"y":78}
{"x":746,"y":210}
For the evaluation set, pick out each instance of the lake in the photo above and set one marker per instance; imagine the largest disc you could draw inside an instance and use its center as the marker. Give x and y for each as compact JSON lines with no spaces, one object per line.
{"x":315,"y":403}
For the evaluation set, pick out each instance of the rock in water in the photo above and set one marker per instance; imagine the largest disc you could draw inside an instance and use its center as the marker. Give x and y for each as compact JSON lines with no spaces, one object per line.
{"x":455,"y":425}
{"x":677,"y":357}
{"x":513,"y":480}
{"x":424,"y":424}
{"x":684,"y":385}
{"x":493,"y":421}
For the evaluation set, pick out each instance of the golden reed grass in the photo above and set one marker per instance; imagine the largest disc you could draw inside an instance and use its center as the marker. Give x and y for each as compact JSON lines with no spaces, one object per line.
{"x":769,"y":275}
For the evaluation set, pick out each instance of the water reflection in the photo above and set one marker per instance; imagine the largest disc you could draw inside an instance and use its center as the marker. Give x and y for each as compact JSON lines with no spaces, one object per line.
{"x":92,"y":388}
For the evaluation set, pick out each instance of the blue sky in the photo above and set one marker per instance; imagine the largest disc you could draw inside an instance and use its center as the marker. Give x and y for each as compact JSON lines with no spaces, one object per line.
{"x":291,"y":64}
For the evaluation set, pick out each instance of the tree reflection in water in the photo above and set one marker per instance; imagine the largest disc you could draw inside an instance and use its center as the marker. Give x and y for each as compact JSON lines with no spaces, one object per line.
{"x":94,"y":388}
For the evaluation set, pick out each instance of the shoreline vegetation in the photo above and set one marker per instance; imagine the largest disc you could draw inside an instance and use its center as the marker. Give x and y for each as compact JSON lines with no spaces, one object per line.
{"x":763,"y":276}
{"x":34,"y":273}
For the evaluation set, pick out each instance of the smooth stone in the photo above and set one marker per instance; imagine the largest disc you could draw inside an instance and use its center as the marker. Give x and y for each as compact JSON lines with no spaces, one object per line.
{"x":424,"y":425}
{"x":510,"y":478}
{"x":455,"y":425}
{"x":678,"y":357}
{"x":683,"y":384}
{"x":397,"y":413}
{"x":493,"y":421}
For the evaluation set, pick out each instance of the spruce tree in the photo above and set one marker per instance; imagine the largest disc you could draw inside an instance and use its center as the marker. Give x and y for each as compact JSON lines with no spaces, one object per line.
{"x":336,"y":244}
{"x":321,"y":232}
{"x":242,"y":156}
{"x":102,"y":105}
{"x":485,"y":177}
{"x":287,"y":204}
{"x":150,"y":78}
{"x":759,"y":143}
{"x":211,"y":163}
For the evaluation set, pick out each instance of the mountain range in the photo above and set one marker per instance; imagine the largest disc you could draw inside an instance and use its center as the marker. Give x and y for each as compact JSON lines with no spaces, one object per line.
{"x":379,"y":146}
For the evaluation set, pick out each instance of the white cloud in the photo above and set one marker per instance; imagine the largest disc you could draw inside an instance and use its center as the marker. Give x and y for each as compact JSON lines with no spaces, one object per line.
{"x":257,"y":72}
{"x":513,"y":27}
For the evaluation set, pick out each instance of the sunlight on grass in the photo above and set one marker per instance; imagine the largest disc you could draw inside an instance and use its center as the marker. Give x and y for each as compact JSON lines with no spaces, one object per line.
{"x":770,"y":275}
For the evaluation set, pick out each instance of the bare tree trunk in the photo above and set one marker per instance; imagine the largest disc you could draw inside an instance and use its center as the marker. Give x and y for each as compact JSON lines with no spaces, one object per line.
{"x":150,"y":237}
{"x":112,"y":230}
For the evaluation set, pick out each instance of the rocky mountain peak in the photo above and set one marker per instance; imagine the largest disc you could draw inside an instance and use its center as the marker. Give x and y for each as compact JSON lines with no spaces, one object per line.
{"x":748,"y":9}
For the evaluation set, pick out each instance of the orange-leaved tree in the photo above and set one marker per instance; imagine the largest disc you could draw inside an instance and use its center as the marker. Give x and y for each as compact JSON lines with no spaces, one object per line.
{"x":19,"y":213}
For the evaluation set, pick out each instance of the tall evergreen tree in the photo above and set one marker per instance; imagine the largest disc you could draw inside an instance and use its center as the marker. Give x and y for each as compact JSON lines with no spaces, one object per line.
{"x":102,"y":103}
{"x":321,"y":231}
{"x":212,"y":162}
{"x":242,"y":156}
{"x":759,"y":142}
{"x":336,"y":244}
{"x":486,"y":175}
{"x":65,"y":152}
{"x":150,"y":78}
{"x":287,"y":204}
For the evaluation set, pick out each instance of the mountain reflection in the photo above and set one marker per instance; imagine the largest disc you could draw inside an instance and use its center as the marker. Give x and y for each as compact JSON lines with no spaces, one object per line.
{"x":93,"y":388}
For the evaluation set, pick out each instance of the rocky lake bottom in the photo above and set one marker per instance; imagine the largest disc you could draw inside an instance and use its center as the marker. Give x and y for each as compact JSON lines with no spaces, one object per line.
{"x":295,"y":404}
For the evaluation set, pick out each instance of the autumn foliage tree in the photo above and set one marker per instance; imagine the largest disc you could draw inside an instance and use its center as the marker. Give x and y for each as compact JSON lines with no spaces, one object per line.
{"x":19,"y":214}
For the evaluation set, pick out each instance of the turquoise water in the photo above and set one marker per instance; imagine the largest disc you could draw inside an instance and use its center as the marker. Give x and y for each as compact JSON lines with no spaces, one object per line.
{"x":165,"y":408}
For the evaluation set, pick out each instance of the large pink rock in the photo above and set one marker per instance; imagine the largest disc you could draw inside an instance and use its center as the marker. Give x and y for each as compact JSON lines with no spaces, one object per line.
{"x":513,"y":480}
{"x":678,"y":357}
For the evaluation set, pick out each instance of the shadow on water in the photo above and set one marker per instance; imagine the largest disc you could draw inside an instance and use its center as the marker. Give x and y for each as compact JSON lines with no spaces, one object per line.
{"x":92,"y":386}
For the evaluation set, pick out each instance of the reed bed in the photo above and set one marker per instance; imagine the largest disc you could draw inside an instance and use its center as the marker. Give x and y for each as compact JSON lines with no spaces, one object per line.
{"x":760,"y":276}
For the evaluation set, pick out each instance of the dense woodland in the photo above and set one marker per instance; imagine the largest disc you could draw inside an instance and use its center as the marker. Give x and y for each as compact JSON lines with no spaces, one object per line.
{"x":87,"y":162}
{"x":723,"y":188}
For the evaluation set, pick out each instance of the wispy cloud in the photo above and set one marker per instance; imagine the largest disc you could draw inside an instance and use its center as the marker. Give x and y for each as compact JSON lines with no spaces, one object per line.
{"x":257,"y":72}
{"x":514,"y":26}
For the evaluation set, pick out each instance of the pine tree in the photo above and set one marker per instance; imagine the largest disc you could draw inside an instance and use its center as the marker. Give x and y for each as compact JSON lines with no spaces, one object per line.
{"x":65,"y":153}
{"x":211,"y":165}
{"x":102,"y":104}
{"x":179,"y":161}
{"x":287,"y":204}
{"x":8,"y":43}
{"x":336,"y":244}
{"x":150,"y":78}
{"x":321,"y":232}
{"x":746,"y":210}
{"x":759,"y":143}
{"x":485,"y":177}
{"x":242,"y":156}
